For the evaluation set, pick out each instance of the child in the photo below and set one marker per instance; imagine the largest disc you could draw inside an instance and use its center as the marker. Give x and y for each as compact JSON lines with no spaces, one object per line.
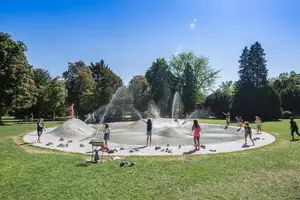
{"x":40,"y":127}
{"x":196,"y":128}
{"x":71,"y":111}
{"x":294,"y":128}
{"x":240,"y":122}
{"x":106,"y":132}
{"x":227,"y":119}
{"x":149,"y":131}
{"x":248,"y":131}
{"x":259,"y":124}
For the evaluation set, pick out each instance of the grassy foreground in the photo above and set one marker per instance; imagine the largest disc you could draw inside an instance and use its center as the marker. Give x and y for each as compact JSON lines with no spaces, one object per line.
{"x":270,"y":172}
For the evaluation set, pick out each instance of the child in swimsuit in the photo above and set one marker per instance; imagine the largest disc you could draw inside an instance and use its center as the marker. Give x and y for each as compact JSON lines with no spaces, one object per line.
{"x":196,"y":128}
{"x":248,"y":132}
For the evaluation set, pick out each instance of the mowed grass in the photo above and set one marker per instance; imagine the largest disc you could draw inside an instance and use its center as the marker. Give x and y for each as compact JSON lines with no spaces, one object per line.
{"x":270,"y":172}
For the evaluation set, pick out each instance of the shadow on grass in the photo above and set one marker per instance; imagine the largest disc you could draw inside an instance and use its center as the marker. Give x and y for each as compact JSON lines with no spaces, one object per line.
{"x":294,"y":140}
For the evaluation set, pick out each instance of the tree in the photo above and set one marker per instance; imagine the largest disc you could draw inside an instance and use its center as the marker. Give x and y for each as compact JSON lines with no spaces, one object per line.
{"x":57,"y":95}
{"x":85,"y":85}
{"x":252,"y":89}
{"x":189,"y":89}
{"x":218,"y":102}
{"x":160,"y":80}
{"x":226,"y":87}
{"x":17,"y":89}
{"x":191,"y":73}
{"x":288,"y":86}
{"x":107,"y":83}
{"x":80,"y":85}
{"x":140,"y":91}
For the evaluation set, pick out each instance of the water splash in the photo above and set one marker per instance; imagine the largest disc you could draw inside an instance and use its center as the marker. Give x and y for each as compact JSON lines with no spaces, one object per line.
{"x":153,"y":110}
{"x":177,"y":105}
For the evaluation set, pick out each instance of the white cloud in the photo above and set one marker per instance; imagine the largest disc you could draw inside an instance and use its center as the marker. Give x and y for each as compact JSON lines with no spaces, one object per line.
{"x":192,"y":25}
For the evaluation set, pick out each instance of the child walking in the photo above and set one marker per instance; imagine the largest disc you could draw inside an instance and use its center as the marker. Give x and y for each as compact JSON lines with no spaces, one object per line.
{"x":294,"y":128}
{"x":258,"y":124}
{"x":248,"y":132}
{"x":149,"y":131}
{"x":40,"y":126}
{"x":106,"y":136}
{"x":196,"y":128}
{"x":228,"y":117}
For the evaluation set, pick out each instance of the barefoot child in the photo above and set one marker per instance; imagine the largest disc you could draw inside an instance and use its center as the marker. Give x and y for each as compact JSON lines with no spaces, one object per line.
{"x":71,"y":111}
{"x":106,"y":132}
{"x":259,"y":124}
{"x":240,"y":122}
{"x":228,"y":116}
{"x":196,"y":128}
{"x":248,"y":132}
{"x":294,"y":128}
{"x":40,"y":127}
{"x":149,"y":131}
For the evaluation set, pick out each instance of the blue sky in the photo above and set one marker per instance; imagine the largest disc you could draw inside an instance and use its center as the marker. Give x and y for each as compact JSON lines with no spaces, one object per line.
{"x":130,"y":34}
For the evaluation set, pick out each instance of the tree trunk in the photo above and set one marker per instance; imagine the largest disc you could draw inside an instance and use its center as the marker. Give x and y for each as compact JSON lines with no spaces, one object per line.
{"x":53,"y":117}
{"x":0,"y":118}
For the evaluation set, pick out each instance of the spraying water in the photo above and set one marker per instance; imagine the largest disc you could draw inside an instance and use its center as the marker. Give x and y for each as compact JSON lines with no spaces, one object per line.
{"x":176,"y":108}
{"x":153,"y":109}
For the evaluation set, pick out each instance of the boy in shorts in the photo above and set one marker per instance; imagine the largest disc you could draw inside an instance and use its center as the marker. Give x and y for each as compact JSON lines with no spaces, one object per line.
{"x":248,"y":132}
{"x":149,"y":131}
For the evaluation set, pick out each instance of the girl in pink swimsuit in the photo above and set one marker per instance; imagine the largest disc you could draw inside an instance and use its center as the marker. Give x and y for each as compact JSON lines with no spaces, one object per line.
{"x":71,"y":111}
{"x":196,"y":128}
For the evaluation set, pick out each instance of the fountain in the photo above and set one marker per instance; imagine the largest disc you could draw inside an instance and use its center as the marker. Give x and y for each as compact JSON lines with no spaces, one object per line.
{"x":177,"y":106}
{"x":153,"y":110}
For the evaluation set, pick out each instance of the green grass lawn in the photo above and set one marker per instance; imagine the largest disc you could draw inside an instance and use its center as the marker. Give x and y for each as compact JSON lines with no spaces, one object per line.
{"x":270,"y":172}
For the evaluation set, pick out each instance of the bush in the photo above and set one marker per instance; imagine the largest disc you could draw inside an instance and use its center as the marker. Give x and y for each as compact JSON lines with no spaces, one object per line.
{"x":218,"y":103}
{"x":286,"y":114}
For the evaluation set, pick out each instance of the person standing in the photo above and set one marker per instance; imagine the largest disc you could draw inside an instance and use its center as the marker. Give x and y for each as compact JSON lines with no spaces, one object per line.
{"x":196,"y":128}
{"x":258,"y":124}
{"x":106,"y":136}
{"x":149,"y":131}
{"x":294,"y":128}
{"x":228,"y":117}
{"x":240,"y":122}
{"x":248,"y":132}
{"x":40,"y":127}
{"x":71,"y":111}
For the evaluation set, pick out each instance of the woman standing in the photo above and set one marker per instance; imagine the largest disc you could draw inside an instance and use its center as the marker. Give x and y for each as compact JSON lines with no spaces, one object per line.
{"x":258,"y":124}
{"x":196,"y":128}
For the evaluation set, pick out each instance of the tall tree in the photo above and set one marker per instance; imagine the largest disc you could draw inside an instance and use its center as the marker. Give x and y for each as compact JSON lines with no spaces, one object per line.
{"x":189,"y":89}
{"x":16,"y":77}
{"x":191,"y":73}
{"x":80,"y":85}
{"x":85,"y":85}
{"x":56,"y":96}
{"x":160,"y":80}
{"x":107,"y":83}
{"x":253,"y":86}
{"x":140,"y":91}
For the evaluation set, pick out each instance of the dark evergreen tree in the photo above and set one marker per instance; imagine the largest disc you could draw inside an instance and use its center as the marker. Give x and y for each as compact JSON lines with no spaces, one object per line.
{"x":252,"y":91}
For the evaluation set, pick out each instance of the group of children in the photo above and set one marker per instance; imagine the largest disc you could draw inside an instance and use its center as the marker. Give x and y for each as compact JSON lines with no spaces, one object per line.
{"x":195,"y":128}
